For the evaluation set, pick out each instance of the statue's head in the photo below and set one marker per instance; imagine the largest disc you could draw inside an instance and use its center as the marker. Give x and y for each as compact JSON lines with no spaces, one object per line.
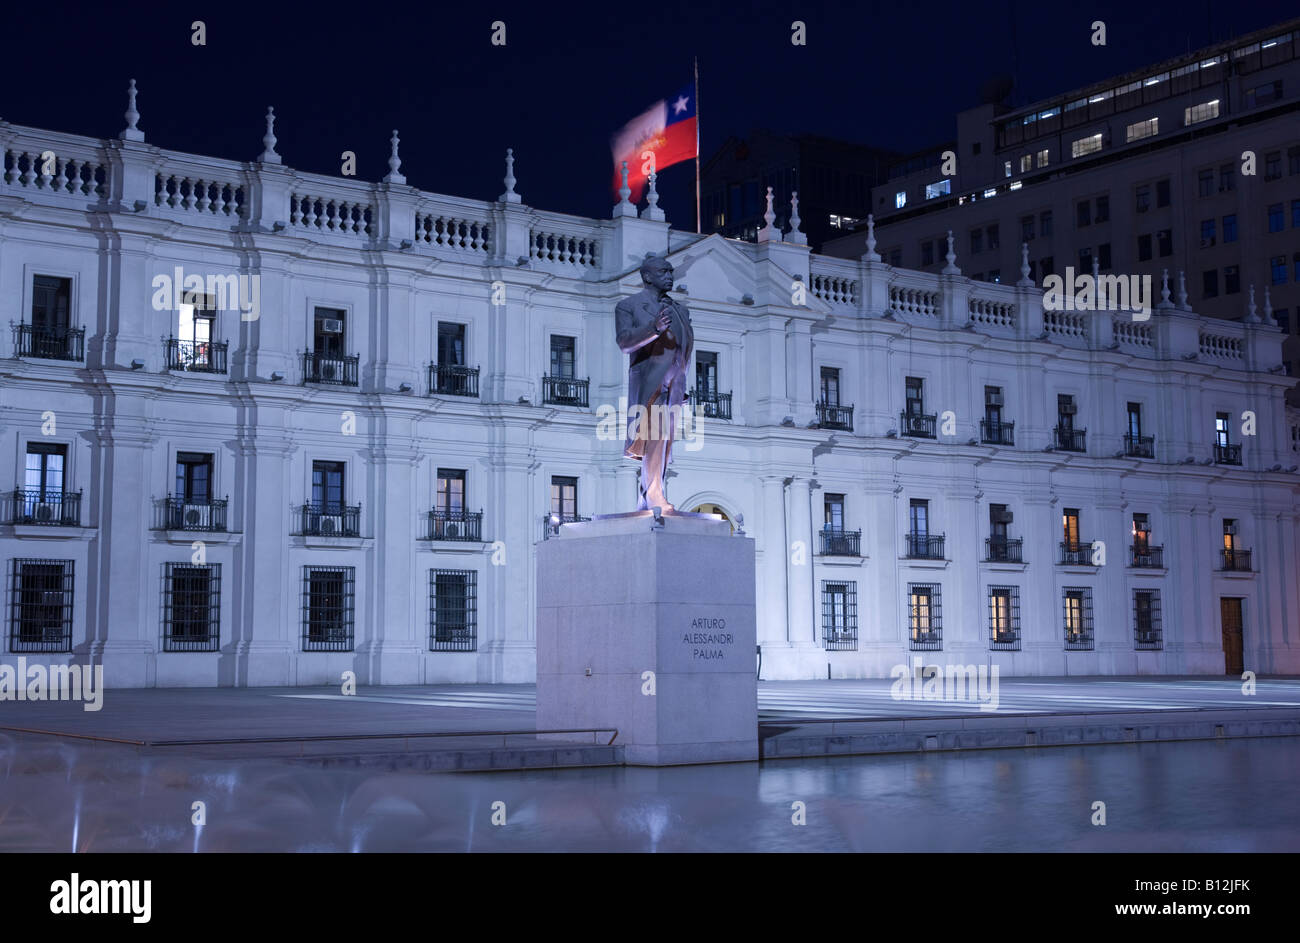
{"x":657,"y":272}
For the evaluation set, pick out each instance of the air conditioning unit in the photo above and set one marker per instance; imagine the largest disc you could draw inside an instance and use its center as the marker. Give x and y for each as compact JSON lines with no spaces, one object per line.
{"x":330,"y":326}
{"x":197,"y":516}
{"x":995,"y":399}
{"x":331,"y":524}
{"x":1068,"y":409}
{"x":1001,"y":517}
{"x":328,"y":370}
{"x":45,"y":513}
{"x":451,"y":530}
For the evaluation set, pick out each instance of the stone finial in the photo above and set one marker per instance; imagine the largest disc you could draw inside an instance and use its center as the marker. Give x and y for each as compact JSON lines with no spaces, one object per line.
{"x":1268,"y":308}
{"x":1025,"y":280}
{"x":1182,"y":290}
{"x":510,"y":196}
{"x":394,"y":175}
{"x":769,"y":232}
{"x":624,"y":206}
{"x":132,"y":115}
{"x":652,"y":210}
{"x":794,"y":235}
{"x":872,"y":255}
{"x":1251,"y":316}
{"x":951,"y":267}
{"x":268,"y":155}
{"x":1164,"y":289}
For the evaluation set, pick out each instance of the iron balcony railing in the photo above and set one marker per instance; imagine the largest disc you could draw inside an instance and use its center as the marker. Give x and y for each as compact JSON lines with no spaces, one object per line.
{"x":1004,"y":640}
{"x":997,"y":433}
{"x":66,"y":344}
{"x":710,"y":404}
{"x":1070,"y":440}
{"x":330,"y":368}
{"x":834,"y":416}
{"x":841,"y":543}
{"x":551,"y":523}
{"x":924,"y":546}
{"x":330,"y":520}
{"x":446,"y":379}
{"x":918,"y":425}
{"x":179,"y":513}
{"x":1235,"y":560}
{"x":1227,"y":454}
{"x":1076,"y":553}
{"x":1140,"y":446}
{"x":196,"y":356}
{"x":1004,"y":549}
{"x":50,"y":508}
{"x":565,"y":391}
{"x":454,"y":524}
{"x":1147,"y":556}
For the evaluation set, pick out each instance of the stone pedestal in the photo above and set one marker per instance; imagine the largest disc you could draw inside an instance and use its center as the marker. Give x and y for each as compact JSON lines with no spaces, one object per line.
{"x":648,"y":626}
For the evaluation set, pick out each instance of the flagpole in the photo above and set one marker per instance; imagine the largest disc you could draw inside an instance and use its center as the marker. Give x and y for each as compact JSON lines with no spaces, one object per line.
{"x":699,"y":222}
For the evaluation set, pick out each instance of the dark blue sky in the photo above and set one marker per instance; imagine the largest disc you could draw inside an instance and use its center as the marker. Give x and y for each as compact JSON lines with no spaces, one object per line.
{"x":887,"y":74}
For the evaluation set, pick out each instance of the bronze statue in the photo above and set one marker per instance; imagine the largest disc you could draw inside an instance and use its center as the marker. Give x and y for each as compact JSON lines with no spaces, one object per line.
{"x":655,"y":332}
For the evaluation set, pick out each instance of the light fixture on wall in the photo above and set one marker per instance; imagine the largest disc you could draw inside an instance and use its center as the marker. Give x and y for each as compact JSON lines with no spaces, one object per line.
{"x":404,"y":388}
{"x":137,"y":364}
{"x":277,"y":377}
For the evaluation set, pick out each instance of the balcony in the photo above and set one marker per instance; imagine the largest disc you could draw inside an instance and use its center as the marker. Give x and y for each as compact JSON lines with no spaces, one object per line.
{"x":66,"y":344}
{"x":551,"y":523}
{"x":1070,"y":440}
{"x":1227,"y":454}
{"x":565,"y":391}
{"x":337,"y":369}
{"x":454,"y":524}
{"x":835,"y":417}
{"x":1145,"y":556}
{"x":1003,"y":550}
{"x":196,"y":356}
{"x":49,"y":508}
{"x":330,"y":520}
{"x":841,"y":543}
{"x":917,"y":425}
{"x":997,"y":433}
{"x":177,"y":513}
{"x":446,"y":379}
{"x":1140,"y":446}
{"x":1076,"y":553}
{"x":710,"y":404}
{"x":1235,"y":560}
{"x":924,"y":546}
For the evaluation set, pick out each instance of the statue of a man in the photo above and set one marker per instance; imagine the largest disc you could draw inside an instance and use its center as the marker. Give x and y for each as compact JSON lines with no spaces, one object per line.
{"x":655,"y":332}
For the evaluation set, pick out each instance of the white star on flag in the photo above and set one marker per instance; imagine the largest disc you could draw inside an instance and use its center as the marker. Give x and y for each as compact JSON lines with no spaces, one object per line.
{"x":680,"y":105}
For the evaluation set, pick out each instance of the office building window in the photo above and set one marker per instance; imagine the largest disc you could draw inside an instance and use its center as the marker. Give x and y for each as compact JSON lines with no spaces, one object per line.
{"x":1205,"y":183}
{"x":991,"y":236}
{"x":1144,"y":247}
{"x":453,"y":610}
{"x":1275,"y":217}
{"x":1026,"y":163}
{"x":1205,"y":111}
{"x":976,"y":241}
{"x":1293,"y":161}
{"x":1082,"y":213}
{"x":1227,"y":177}
{"x":1207,"y":233}
{"x":924,"y":617}
{"x":1273,"y":166}
{"x":1295,"y":214}
{"x":1085,"y":260}
{"x":1083,"y":146}
{"x":1165,"y":243}
{"x":1047,"y":266}
{"x":927,"y":252}
{"x":191,"y":607}
{"x":1142,"y":198}
{"x":900,"y":199}
{"x":1142,"y":129}
{"x":1103,"y":256}
{"x":1026,"y":228}
{"x":1231,"y":279}
{"x":840,"y":615}
{"x":1045,"y":222}
{"x":1263,"y":94}
{"x":1210,"y":283}
{"x":1040,"y":158}
{"x":1230,"y":228}
{"x":1277,"y":267}
{"x":328,"y":608}
{"x":1076,"y":604}
{"x":1102,"y":210}
{"x":1162,"y":193}
{"x":1281,"y":315}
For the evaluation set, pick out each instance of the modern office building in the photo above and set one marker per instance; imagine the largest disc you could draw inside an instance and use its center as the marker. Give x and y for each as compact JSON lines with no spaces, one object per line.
{"x":1139,"y":173}
{"x":264,"y":427}
{"x":833,"y":179}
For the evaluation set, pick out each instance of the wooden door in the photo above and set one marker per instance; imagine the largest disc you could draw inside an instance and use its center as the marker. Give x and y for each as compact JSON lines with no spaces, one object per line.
{"x":1230,"y":622}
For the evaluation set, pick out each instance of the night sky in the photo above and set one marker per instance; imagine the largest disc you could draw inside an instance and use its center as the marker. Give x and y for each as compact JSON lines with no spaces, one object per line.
{"x":341,"y":78}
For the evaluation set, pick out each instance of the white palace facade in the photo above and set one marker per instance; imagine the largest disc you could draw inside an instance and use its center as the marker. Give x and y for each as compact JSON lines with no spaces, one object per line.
{"x":348,"y":468}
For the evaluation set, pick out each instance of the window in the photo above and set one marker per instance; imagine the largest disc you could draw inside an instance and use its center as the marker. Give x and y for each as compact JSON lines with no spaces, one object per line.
{"x":1277,"y":266}
{"x":1162,"y":193}
{"x":1165,"y":243}
{"x":194,"y":329}
{"x":44,"y":473}
{"x":993,"y":405}
{"x":1004,"y":618}
{"x":900,"y":199}
{"x":1273,"y":166}
{"x":453,"y":610}
{"x":1135,"y":420}
{"x":1205,"y":183}
{"x":1083,"y":146}
{"x":1082,"y":213}
{"x":1103,"y":255}
{"x":328,"y":604}
{"x":564,"y":497}
{"x":451,"y":344}
{"x":1295,"y":260}
{"x":1085,"y":259}
{"x":191,"y":607}
{"x":1227,"y":177}
{"x":1070,"y":526}
{"x":706,"y":374}
{"x":1194,"y":114}
{"x":927,"y":252}
{"x":1295,"y":214}
{"x":976,"y":241}
{"x":1040,"y":158}
{"x":40,"y":599}
{"x":1026,"y":163}
{"x":1142,"y":198}
{"x":1207,"y":233}
{"x":327,"y":487}
{"x":913,"y":393}
{"x":1102,"y":213}
{"x":1142,"y":129}
{"x":1006,"y":167}
{"x":1263,"y":94}
{"x":833,"y":507}
{"x":1293,"y":161}
{"x":327,"y":332}
{"x":1144,"y":248}
{"x":895,"y":257}
{"x":1141,"y":534}
{"x":919,"y":517}
{"x":1221,"y":430}
{"x":51,"y":305}
{"x":1045,"y":222}
{"x":830,"y":386}
{"x":1281,"y":315}
{"x":924,"y":618}
{"x":1065,"y":410}
{"x":1229,"y":534}
{"x":1210,"y":283}
{"x":451,"y":491}
{"x":1230,"y":228}
{"x":1146,"y":620}
{"x":991,"y":236}
{"x":1077,"y":606}
{"x":1231,"y":279}
{"x":562,"y":356}
{"x":840,"y":616}
{"x":1047,"y":266}
{"x":998,"y":524}
{"x":1275,"y":217}
{"x":1026,"y":228}
{"x":942,"y":188}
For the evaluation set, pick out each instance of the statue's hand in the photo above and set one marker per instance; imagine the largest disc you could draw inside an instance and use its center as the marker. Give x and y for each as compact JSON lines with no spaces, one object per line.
{"x":664,"y":321}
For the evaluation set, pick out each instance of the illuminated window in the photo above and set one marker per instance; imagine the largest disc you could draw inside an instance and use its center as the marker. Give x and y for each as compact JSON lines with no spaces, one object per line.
{"x":942,"y":188}
{"x":1040,"y":159}
{"x":1142,"y":129}
{"x":1194,"y":114}
{"x":900,"y":199}
{"x":1089,"y":145}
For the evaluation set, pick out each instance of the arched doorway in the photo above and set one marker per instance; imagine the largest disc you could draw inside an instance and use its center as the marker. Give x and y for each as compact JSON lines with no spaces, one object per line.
{"x":715,"y":509}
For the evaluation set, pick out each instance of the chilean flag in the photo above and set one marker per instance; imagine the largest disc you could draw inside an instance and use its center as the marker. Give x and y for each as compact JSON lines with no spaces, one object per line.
{"x":667,"y":130}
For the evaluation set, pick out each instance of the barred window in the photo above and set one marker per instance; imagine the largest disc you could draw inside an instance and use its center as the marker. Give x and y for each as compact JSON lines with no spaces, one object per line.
{"x":1004,"y":618}
{"x":453,"y":610}
{"x":191,"y":607}
{"x":840,"y":616}
{"x":1076,"y":604}
{"x":1146,"y":620}
{"x":924,"y":617}
{"x":40,"y":599}
{"x":328,"y":603}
